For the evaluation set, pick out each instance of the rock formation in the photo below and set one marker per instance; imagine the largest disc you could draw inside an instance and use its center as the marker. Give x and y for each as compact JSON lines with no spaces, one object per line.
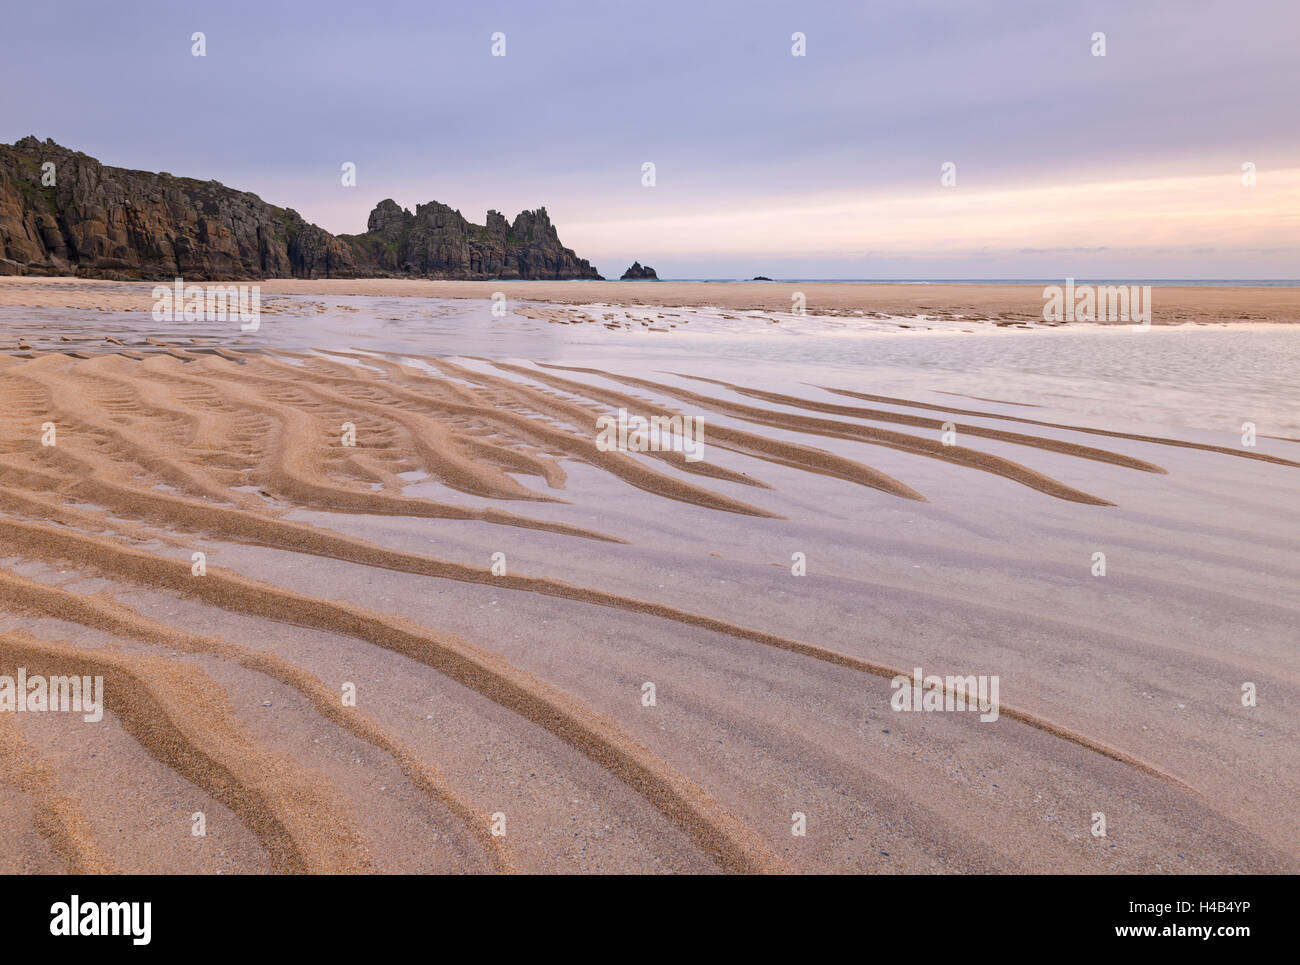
{"x":107,"y":222}
{"x":110,"y":222}
{"x":437,"y":242}
{"x":639,"y":273}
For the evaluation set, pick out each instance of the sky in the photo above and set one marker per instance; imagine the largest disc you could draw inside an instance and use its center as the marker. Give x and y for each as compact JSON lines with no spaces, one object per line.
{"x":826,"y":165}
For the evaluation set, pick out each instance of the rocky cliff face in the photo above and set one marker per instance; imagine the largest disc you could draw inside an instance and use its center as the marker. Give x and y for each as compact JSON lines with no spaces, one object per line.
{"x":437,"y":242}
{"x":107,"y":222}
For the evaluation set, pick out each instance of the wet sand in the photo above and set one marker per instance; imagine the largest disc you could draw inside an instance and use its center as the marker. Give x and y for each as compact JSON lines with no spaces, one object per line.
{"x":508,"y":691}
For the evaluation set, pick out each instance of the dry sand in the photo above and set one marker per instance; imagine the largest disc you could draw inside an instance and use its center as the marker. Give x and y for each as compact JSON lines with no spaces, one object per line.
{"x":487,"y":695}
{"x":1171,"y":304}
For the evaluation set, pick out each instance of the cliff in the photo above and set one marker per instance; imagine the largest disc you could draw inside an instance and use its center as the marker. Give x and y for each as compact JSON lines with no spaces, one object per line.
{"x":107,"y":222}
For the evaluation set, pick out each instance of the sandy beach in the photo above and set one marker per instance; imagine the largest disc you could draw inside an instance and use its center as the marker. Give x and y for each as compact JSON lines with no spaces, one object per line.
{"x":1171,"y":304}
{"x":569,"y":659}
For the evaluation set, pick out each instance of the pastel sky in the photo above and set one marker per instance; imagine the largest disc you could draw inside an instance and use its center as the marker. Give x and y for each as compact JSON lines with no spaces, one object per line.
{"x":821,"y":166}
